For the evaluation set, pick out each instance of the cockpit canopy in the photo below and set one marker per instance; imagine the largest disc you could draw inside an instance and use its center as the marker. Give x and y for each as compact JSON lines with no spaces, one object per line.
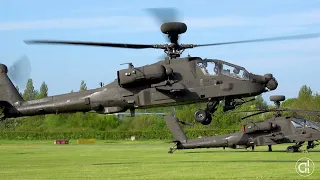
{"x":218,"y":67}
{"x":300,"y":123}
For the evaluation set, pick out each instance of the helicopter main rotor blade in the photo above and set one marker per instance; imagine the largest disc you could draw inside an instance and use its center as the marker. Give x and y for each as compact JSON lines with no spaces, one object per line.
{"x":254,"y":114}
{"x":164,"y":15}
{"x":103,"y":44}
{"x":314,"y":113}
{"x":304,"y":36}
{"x":246,"y":111}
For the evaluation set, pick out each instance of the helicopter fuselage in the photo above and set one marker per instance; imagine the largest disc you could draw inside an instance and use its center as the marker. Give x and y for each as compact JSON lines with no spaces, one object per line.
{"x":165,"y":83}
{"x":276,"y":130}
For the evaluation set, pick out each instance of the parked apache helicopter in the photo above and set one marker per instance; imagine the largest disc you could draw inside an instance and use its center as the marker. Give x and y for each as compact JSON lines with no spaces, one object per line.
{"x":168,"y":82}
{"x":276,"y":130}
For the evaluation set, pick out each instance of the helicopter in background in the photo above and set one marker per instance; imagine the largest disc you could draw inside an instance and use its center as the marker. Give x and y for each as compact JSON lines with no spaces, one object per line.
{"x":276,"y":130}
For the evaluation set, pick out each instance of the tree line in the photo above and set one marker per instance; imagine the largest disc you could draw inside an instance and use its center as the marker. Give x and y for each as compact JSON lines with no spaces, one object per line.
{"x":30,"y":93}
{"x":100,"y":126}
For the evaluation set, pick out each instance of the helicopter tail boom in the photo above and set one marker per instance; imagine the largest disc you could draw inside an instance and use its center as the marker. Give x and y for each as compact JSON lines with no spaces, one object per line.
{"x":100,"y":100}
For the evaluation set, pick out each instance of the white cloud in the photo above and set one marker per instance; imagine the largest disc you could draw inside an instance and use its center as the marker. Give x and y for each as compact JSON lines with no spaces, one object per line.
{"x":136,"y":23}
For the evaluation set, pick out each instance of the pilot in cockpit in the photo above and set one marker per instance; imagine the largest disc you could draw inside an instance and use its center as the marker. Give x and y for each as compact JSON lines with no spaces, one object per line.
{"x":236,"y":72}
{"x":216,"y":68}
{"x":204,"y":68}
{"x":228,"y":72}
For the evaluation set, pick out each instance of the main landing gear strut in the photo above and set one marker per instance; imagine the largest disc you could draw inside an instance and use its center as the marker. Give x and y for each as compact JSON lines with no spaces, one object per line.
{"x":295,"y":148}
{"x":205,"y":116}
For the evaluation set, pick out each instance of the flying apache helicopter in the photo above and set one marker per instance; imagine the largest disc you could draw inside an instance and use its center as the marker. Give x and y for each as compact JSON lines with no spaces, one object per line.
{"x":168,"y":82}
{"x":276,"y":130}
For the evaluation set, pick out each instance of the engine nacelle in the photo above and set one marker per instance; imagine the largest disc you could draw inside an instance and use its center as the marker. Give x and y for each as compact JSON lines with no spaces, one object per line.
{"x":149,"y":74}
{"x":260,"y":126}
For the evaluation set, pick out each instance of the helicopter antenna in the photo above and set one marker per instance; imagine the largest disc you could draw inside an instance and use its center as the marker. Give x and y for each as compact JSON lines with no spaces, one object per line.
{"x":130,"y":65}
{"x":276,"y":100}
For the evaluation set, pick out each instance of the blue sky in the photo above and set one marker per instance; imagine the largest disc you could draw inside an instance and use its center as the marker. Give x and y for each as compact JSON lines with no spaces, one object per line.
{"x":294,"y":63}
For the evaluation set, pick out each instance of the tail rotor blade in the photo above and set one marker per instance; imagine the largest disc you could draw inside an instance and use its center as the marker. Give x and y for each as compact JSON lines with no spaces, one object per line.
{"x":164,"y":15}
{"x":20,"y":71}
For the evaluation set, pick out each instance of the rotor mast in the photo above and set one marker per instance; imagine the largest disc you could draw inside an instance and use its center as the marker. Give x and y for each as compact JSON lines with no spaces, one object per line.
{"x":173,"y":29}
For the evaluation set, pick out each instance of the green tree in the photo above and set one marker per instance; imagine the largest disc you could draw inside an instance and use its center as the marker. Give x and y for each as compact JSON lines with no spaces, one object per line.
{"x":289,"y":103}
{"x":83,"y":86}
{"x":43,"y":90}
{"x":71,"y":91}
{"x":30,"y":93}
{"x":259,"y":102}
{"x":305,"y":92}
{"x":305,"y":98}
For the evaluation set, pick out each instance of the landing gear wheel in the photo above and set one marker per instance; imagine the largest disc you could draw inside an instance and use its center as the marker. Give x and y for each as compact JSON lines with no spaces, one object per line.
{"x":208,"y":120}
{"x":296,"y":149}
{"x":200,"y":115}
{"x":290,"y":149}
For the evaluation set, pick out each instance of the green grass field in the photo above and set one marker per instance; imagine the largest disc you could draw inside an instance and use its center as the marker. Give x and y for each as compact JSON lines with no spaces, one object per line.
{"x":145,"y":160}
